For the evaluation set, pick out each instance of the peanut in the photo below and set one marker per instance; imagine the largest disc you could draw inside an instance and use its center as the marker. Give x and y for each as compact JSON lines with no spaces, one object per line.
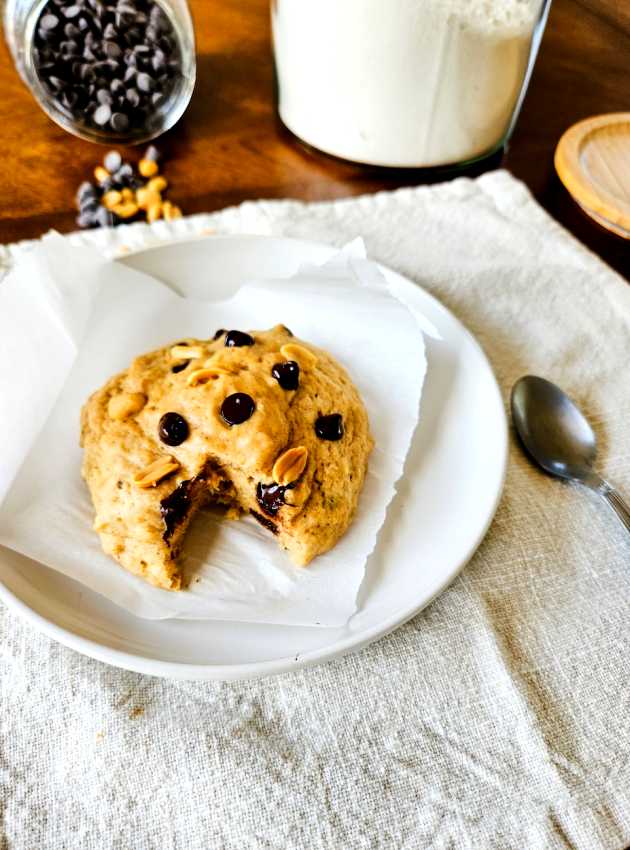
{"x":302,"y":355}
{"x":290,"y":465}
{"x":170,"y":211}
{"x":111,"y":199}
{"x":101,"y":173}
{"x":125,"y":210}
{"x":186,"y":352}
{"x":146,"y":197}
{"x":148,"y":167}
{"x":202,"y":376}
{"x":210,"y":363}
{"x":155,"y":472}
{"x":154,"y":212}
{"x":157,"y":184}
{"x":124,"y":405}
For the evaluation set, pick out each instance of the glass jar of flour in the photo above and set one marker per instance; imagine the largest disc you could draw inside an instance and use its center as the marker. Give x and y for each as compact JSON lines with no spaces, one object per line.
{"x":405,"y":83}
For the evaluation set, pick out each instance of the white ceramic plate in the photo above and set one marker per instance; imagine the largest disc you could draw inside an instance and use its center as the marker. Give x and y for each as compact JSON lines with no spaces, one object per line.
{"x":445,"y":502}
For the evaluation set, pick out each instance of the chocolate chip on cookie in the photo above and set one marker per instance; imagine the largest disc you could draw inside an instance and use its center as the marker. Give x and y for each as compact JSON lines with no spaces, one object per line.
{"x":219,"y":333}
{"x":287,"y":374}
{"x":329,"y":427}
{"x":266,"y":523}
{"x":270,"y":497}
{"x":237,"y":408}
{"x":173,"y":429}
{"x":179,"y":367}
{"x":237,"y":339}
{"x":174,"y":507}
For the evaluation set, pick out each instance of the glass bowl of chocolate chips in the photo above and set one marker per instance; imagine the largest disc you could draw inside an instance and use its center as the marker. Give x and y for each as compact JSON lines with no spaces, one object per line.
{"x":105,"y":70}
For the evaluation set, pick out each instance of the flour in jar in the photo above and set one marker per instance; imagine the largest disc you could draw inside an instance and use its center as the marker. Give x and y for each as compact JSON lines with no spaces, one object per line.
{"x":402,"y":82}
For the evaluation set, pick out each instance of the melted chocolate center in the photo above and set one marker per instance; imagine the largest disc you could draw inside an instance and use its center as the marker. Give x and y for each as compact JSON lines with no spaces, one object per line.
{"x":175,"y":507}
{"x":270,"y":497}
{"x":267,"y":523}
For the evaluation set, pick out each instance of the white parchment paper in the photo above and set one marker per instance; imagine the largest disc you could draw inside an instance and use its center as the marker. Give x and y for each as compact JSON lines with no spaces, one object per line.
{"x":69,"y":319}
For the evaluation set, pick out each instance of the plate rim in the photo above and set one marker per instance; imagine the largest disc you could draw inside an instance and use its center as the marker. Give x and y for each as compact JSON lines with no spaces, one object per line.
{"x":259,"y":669}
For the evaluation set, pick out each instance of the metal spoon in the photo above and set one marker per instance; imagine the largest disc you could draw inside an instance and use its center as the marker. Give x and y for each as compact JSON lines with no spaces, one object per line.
{"x":558,"y":437}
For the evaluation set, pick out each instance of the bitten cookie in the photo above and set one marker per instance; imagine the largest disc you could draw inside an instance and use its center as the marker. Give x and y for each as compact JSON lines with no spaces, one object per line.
{"x":260,"y":422}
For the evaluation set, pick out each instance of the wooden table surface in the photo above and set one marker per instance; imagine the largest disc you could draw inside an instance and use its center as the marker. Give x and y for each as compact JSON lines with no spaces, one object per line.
{"x":230,"y":146}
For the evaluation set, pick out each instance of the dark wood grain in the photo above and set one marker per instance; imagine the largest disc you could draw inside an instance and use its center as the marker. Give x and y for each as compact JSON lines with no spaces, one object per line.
{"x":230,"y":146}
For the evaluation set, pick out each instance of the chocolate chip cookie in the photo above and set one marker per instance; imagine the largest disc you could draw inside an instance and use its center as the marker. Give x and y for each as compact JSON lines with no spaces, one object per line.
{"x":259,"y":422}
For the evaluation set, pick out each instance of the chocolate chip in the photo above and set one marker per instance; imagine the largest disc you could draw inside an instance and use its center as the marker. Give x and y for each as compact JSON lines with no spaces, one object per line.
{"x":89,"y":205}
{"x":158,"y":61}
{"x":237,"y":339}
{"x":133,"y":98}
{"x":104,"y":97}
{"x":237,"y":408}
{"x":68,"y":99}
{"x":86,"y":219}
{"x":49,"y":22}
{"x":112,"y":161}
{"x":152,"y":152}
{"x":144,"y":82}
{"x":102,"y":115}
{"x":267,"y":523}
{"x":69,"y":48}
{"x":329,"y":427}
{"x":179,"y":367}
{"x":124,"y":172}
{"x":175,"y":507}
{"x":218,"y":333}
{"x":119,"y":122}
{"x":173,"y":429}
{"x":287,"y":374}
{"x":86,"y":190}
{"x":286,"y":329}
{"x":104,"y":218}
{"x":112,"y":50}
{"x":270,"y":497}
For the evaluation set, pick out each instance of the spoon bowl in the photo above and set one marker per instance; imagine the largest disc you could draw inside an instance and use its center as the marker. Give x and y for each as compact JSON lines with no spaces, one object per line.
{"x":557,"y":436}
{"x":553,"y":429}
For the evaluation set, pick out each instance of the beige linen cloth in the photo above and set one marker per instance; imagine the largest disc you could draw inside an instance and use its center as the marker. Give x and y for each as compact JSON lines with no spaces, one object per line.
{"x":497,"y":719}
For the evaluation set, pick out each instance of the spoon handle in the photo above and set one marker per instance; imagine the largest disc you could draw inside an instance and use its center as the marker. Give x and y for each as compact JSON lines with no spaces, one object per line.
{"x":616,"y":503}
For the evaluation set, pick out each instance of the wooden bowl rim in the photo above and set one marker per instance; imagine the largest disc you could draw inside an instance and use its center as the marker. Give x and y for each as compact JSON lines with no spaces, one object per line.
{"x":590,"y":196}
